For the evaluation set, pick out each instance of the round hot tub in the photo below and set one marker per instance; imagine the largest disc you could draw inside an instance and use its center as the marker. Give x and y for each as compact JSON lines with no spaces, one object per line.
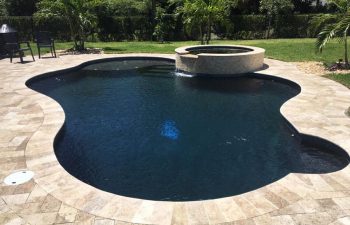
{"x":219,"y":60}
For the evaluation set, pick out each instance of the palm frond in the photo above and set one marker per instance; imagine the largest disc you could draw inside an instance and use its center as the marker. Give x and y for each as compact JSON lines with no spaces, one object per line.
{"x":325,"y":36}
{"x":337,"y":30}
{"x":341,"y":5}
{"x":319,"y":21}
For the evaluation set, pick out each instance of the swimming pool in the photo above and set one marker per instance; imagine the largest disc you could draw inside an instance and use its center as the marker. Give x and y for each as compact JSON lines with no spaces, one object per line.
{"x":136,"y":129}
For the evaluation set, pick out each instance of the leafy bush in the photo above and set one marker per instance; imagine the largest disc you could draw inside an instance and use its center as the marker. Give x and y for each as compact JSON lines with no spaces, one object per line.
{"x":27,"y":25}
{"x":57,"y":26}
{"x":319,"y":21}
{"x":242,"y":27}
{"x":293,"y":26}
{"x":171,"y":27}
{"x":254,"y":26}
{"x":117,"y":28}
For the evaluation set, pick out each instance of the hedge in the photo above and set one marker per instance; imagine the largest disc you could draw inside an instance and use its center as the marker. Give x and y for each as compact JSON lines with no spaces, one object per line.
{"x":138,"y":27}
{"x":23,"y":24}
{"x":254,"y":26}
{"x":27,"y":26}
{"x":293,"y":26}
{"x":118,"y":28}
{"x":247,"y":27}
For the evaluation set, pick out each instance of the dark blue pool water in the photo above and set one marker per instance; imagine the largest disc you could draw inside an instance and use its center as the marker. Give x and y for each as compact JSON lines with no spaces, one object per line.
{"x":135,"y":129}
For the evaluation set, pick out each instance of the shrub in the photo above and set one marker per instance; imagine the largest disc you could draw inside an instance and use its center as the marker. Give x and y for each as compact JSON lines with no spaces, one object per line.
{"x":57,"y":26}
{"x":118,"y":28}
{"x":27,"y":25}
{"x":254,"y":26}
{"x":293,"y":26}
{"x":242,"y":27}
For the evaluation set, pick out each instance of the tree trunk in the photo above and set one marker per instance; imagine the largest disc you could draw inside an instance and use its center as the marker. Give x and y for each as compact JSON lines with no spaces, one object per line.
{"x":72,"y":35}
{"x":209,"y":31}
{"x":201,"y":34}
{"x":70,"y":19}
{"x":79,"y":41}
{"x":268,"y":27}
{"x":153,"y":16}
{"x":346,"y":50}
{"x":75,"y":44}
{"x":154,"y":9}
{"x":82,"y":44}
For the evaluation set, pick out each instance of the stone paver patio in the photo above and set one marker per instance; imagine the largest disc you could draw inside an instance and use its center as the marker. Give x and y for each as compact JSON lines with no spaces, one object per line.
{"x":30,"y":121}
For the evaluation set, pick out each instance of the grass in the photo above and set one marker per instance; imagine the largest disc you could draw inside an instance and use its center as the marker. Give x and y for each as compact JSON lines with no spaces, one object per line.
{"x":291,"y":50}
{"x":341,"y":78}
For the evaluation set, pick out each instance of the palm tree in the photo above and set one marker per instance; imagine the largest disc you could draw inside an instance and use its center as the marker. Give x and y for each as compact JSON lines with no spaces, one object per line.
{"x":338,"y":29}
{"x":203,"y":13}
{"x":273,"y":8}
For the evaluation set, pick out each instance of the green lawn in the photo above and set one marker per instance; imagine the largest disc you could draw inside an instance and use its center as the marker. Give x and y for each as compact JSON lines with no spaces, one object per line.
{"x":341,"y":78}
{"x":283,"y":49}
{"x":292,"y":50}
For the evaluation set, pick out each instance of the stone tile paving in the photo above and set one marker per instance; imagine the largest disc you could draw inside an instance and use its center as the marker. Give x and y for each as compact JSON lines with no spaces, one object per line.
{"x":29,"y":122}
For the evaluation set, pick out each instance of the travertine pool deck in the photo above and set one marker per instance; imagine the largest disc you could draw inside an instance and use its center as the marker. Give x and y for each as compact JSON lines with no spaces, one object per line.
{"x":29,"y":122}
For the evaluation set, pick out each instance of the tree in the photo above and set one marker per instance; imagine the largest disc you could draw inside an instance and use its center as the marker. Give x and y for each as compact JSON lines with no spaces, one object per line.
{"x":245,"y":7}
{"x":165,"y":23}
{"x":78,"y":14}
{"x":3,"y":11}
{"x":153,"y":13}
{"x":202,"y":14}
{"x":19,"y":7}
{"x":125,"y":7}
{"x":273,"y":8}
{"x":339,"y":28}
{"x":303,"y":6}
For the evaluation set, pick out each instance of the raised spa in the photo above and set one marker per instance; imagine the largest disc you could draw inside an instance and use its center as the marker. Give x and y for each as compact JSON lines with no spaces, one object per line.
{"x":219,"y":60}
{"x":136,"y":129}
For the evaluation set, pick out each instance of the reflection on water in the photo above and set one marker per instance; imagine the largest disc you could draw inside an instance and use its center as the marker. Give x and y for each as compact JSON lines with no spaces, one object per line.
{"x":169,"y":130}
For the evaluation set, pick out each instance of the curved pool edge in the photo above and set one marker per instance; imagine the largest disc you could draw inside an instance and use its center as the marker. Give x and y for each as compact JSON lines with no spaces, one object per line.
{"x":56,"y":181}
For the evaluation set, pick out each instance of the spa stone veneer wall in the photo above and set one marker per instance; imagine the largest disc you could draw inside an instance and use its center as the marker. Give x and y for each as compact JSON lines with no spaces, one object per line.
{"x":227,"y":64}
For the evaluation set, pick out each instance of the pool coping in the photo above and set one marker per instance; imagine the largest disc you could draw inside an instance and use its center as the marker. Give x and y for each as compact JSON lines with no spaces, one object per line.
{"x":228,"y":64}
{"x":318,"y":110}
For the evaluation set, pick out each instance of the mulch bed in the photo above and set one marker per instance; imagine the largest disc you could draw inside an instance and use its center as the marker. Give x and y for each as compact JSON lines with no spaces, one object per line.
{"x":85,"y":51}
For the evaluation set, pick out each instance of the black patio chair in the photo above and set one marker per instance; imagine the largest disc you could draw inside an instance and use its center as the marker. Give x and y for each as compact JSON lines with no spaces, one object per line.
{"x":43,"y":40}
{"x":13,"y":46}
